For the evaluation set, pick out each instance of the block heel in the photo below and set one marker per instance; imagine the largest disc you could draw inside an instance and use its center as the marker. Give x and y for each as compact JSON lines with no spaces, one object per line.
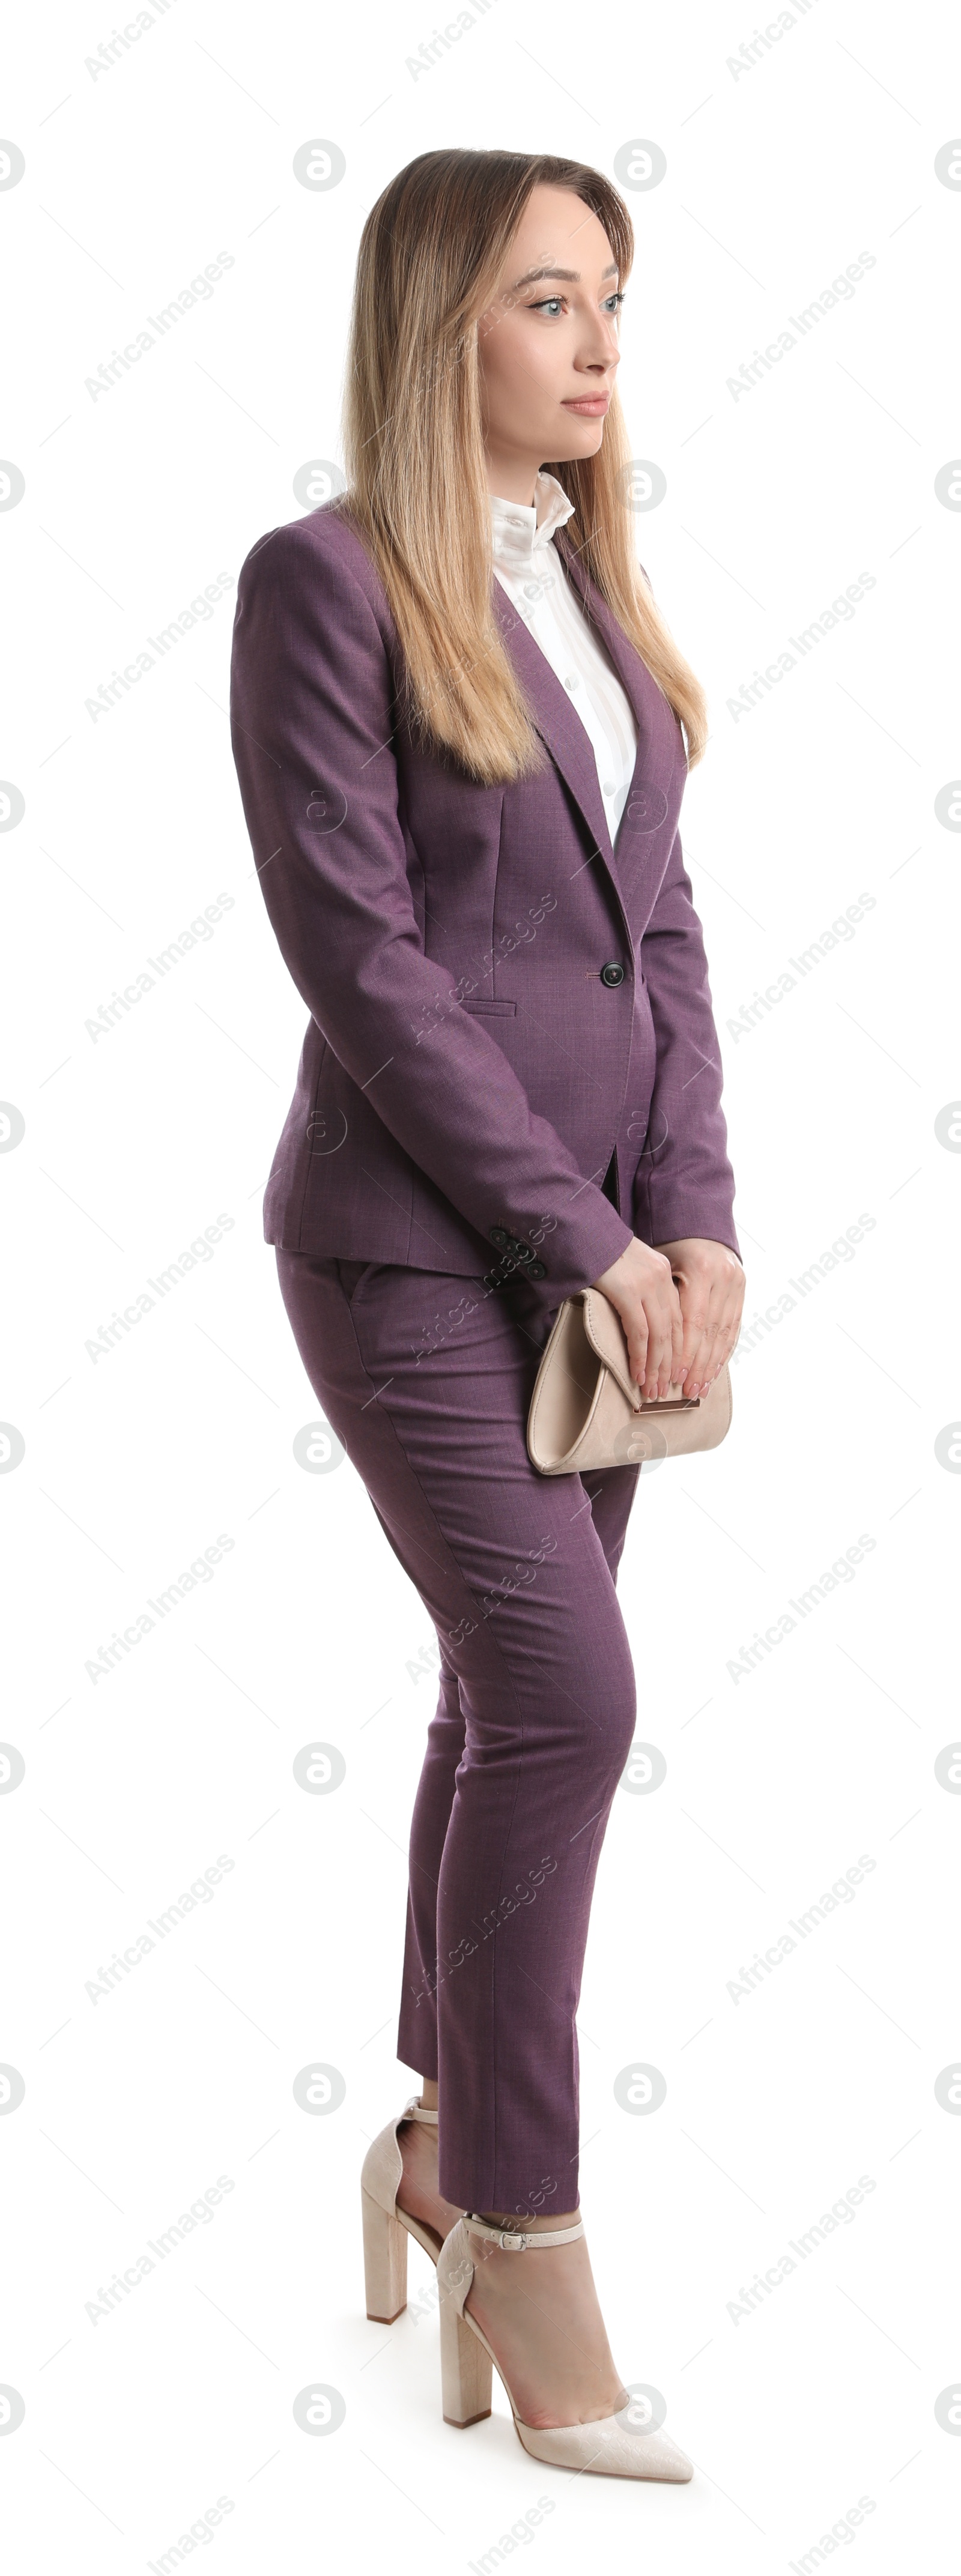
{"x":387,"y":2228}
{"x":385,"y":2261}
{"x":466,"y":2369}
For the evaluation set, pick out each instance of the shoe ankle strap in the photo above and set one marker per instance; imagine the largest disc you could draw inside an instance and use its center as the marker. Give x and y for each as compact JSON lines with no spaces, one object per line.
{"x":512,"y":2240}
{"x":415,"y":2111}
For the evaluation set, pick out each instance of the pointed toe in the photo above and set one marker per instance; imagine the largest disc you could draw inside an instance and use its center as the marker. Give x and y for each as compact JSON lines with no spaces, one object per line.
{"x":608,"y":2448}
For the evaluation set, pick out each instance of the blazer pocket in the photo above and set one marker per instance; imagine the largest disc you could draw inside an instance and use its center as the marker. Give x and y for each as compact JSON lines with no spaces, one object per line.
{"x":492,"y":1005}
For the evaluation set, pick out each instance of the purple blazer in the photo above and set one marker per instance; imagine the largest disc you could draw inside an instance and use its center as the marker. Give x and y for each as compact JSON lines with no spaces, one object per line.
{"x":504,"y":1015}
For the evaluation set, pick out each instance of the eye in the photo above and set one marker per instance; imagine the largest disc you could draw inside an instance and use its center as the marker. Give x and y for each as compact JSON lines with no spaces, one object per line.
{"x":552,"y":303}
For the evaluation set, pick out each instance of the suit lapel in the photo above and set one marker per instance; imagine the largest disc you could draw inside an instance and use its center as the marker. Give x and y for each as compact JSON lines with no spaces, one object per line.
{"x":632,"y":672}
{"x":658,"y":741}
{"x":559,"y":726}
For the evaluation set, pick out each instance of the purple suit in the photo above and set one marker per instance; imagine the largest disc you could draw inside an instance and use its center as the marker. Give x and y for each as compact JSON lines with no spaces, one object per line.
{"x":511,"y":1042}
{"x":466,"y":1067}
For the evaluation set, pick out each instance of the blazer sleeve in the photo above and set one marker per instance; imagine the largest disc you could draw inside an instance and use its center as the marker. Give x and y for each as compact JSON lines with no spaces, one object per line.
{"x":684,"y":1184}
{"x":312,"y":722}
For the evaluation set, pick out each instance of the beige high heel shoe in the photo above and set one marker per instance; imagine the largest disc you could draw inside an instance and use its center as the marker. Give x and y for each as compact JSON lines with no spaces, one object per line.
{"x":386,"y":2228}
{"x":613,"y":2446}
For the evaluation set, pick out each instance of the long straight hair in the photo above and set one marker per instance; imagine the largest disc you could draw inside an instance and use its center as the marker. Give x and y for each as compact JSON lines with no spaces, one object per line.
{"x":431,"y":253}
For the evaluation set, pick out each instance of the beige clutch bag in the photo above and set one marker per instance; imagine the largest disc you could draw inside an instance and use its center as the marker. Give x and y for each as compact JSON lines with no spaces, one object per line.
{"x":586,"y":1410}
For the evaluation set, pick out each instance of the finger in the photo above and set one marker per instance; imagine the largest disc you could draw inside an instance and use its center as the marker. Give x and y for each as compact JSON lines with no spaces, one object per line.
{"x":677,"y":1346}
{"x":718,"y":1351}
{"x":674,"y":1344}
{"x":718,"y":1334}
{"x":637,"y":1340}
{"x":660,"y":1348}
{"x":697,"y":1331}
{"x":697,"y":1367}
{"x":727,"y":1331}
{"x":657,"y":1341}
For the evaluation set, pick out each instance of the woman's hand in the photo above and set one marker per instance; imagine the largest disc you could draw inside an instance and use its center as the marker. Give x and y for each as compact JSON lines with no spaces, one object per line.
{"x":676,"y":1338}
{"x":711,"y":1283}
{"x":640,"y":1285}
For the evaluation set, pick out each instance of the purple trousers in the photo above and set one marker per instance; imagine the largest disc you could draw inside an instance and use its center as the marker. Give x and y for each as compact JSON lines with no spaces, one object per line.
{"x":426,"y":1380}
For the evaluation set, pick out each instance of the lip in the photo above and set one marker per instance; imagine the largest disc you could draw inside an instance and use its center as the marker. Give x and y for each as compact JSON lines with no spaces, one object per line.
{"x":591,"y":407}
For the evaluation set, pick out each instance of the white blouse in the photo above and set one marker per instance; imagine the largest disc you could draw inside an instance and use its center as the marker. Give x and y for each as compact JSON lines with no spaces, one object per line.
{"x":530,"y":570}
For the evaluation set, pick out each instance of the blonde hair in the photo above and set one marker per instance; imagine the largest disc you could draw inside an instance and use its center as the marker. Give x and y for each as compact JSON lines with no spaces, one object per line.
{"x":431,"y":253}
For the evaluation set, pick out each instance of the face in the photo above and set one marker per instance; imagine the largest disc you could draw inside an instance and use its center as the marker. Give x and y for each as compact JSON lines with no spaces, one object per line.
{"x":548,"y":343}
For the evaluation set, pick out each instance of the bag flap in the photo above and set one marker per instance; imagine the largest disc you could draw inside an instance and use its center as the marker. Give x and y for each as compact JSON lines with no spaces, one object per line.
{"x":607,"y":1337}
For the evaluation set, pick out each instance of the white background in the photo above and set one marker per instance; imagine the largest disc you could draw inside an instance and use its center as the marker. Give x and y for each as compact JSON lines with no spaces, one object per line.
{"x":777,"y":1779}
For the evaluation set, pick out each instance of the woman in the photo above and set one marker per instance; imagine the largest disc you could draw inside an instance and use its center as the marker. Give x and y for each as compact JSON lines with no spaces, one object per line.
{"x":457,"y":722}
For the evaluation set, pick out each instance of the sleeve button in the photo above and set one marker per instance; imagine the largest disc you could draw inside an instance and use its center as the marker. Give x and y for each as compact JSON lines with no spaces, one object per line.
{"x":496,"y":1234}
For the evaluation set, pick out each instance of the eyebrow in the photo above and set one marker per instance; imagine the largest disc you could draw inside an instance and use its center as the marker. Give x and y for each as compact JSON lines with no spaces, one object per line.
{"x":574,"y":274}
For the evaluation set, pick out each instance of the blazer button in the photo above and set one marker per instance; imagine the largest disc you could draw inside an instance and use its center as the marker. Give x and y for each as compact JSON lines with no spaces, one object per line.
{"x":497,"y":1234}
{"x":612,"y":974}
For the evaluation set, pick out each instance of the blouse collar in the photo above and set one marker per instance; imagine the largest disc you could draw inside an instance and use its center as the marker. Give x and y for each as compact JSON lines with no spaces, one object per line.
{"x":521,"y":531}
